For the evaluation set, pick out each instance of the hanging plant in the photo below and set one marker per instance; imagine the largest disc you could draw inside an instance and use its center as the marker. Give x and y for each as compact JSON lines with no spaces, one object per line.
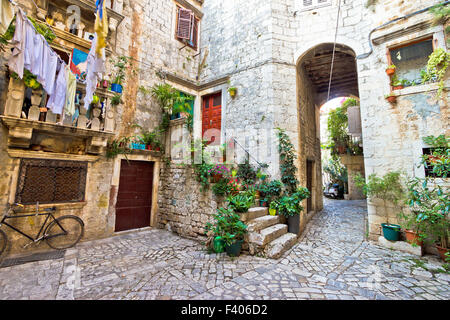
{"x":436,"y":68}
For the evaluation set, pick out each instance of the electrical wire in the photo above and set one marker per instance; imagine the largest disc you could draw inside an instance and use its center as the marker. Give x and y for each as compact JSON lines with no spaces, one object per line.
{"x":334,"y":50}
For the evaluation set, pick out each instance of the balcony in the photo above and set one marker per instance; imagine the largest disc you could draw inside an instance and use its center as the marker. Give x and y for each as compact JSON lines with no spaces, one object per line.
{"x":28,"y":127}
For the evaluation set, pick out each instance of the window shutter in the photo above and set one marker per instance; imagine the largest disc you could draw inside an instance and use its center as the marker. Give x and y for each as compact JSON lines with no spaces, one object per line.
{"x":354,"y":120}
{"x":185,"y":24}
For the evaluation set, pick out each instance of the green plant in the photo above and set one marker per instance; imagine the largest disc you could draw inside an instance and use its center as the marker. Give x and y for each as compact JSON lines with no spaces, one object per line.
{"x":120,"y":65}
{"x":436,"y":68}
{"x":228,"y":226}
{"x":116,"y":100}
{"x":287,"y":161}
{"x":388,"y":188}
{"x":241,"y":202}
{"x":441,"y":13}
{"x":392,"y":66}
{"x":289,"y":206}
{"x":118,"y":146}
{"x":222,"y":188}
{"x":439,"y":160}
{"x":246,"y":172}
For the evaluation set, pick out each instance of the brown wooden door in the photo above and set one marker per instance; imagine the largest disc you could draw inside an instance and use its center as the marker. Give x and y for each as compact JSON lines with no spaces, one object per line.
{"x":309,"y":183}
{"x":212,"y":115}
{"x":134,"y":200}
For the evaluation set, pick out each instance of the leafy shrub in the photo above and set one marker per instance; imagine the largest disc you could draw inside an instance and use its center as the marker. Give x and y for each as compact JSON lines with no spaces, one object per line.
{"x":228,"y":226}
{"x":241,"y":202}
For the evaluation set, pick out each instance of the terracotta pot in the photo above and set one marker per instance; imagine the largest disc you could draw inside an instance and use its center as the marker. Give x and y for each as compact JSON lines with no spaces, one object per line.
{"x":398,"y":87}
{"x":413,"y":238}
{"x":158,"y":149}
{"x":442,"y":252}
{"x":148,"y":147}
{"x":215,"y":178}
{"x":390,"y":72}
{"x":391,"y":99}
{"x":341,"y":149}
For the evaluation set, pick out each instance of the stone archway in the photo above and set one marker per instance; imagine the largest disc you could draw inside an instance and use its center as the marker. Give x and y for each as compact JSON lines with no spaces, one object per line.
{"x":313,"y":74}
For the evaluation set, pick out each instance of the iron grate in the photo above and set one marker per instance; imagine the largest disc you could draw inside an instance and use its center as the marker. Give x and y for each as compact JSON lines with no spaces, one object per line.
{"x":51,"y":181}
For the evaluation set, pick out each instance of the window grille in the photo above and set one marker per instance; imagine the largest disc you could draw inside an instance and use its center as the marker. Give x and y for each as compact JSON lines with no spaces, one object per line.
{"x":51,"y":181}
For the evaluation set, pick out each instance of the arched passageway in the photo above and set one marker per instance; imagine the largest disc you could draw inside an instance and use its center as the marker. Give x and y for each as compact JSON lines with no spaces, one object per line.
{"x":313,"y":78}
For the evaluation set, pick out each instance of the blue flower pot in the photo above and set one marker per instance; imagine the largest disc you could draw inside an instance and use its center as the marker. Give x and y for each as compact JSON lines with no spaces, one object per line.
{"x":391,"y":232}
{"x":117,"y":88}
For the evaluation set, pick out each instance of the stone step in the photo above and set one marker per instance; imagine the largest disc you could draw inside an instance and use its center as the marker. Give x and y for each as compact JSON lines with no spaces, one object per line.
{"x":277,"y":247}
{"x":267,"y":235}
{"x":254,"y":213}
{"x":262,"y":223}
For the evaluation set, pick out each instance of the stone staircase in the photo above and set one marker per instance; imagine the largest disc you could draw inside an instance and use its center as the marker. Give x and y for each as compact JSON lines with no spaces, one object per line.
{"x":268,"y":235}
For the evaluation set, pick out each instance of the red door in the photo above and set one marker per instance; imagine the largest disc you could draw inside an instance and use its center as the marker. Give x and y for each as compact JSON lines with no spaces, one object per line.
{"x":134,"y":200}
{"x":212,"y":117}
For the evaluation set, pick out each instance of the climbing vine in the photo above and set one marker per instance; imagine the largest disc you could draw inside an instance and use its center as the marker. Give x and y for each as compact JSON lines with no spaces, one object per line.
{"x":287,"y":159}
{"x":436,"y":68}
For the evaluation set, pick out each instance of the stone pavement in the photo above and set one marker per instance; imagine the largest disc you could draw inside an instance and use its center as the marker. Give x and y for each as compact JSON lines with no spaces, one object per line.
{"x":331,"y":261}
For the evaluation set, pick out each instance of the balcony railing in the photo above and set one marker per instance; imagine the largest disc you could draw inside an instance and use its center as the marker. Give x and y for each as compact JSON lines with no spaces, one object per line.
{"x":96,"y":127}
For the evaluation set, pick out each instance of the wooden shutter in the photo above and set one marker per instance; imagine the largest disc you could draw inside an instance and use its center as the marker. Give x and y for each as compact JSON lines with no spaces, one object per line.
{"x":185,"y":26}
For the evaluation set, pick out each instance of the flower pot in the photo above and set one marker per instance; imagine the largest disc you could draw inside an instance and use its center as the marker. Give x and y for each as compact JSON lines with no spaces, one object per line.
{"x":391,"y":232}
{"x":138,"y":146}
{"x":234,"y":250}
{"x":219,"y":245}
{"x":232,"y":93}
{"x":105,"y":84}
{"x":117,"y":88}
{"x":148,"y":147}
{"x":413,"y":238}
{"x":294,"y":224}
{"x":263,"y":203}
{"x":215,"y":178}
{"x":391,"y":99}
{"x":442,"y":252}
{"x":341,"y":149}
{"x":273,"y":212}
{"x":157,"y":149}
{"x":398,"y":87}
{"x":390,"y":71}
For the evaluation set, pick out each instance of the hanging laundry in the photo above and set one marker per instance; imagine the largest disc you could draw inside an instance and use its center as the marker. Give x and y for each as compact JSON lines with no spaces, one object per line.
{"x":95,"y":69}
{"x":6,"y":15}
{"x":57,"y":100}
{"x":101,"y":26}
{"x":69,"y":108}
{"x":16,"y":62}
{"x":47,"y":74}
{"x":29,"y":48}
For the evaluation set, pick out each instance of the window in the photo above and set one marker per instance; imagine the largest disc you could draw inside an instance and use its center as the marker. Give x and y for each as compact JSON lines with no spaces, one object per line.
{"x":51,"y":181}
{"x":429,"y":168}
{"x":187,"y":27}
{"x":304,"y":5}
{"x":409,"y":60}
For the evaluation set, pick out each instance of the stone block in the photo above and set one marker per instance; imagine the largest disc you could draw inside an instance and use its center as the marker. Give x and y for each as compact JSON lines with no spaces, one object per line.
{"x":400,"y":246}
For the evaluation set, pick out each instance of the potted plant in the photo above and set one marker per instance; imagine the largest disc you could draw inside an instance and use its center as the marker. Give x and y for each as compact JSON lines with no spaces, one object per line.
{"x":273,"y":208}
{"x":391,"y":98}
{"x":387,"y":189}
{"x":241,"y":202}
{"x":218,"y":172}
{"x":391,"y":70}
{"x":396,"y":83}
{"x":222,"y":188}
{"x":232,"y":91}
{"x":120,"y":66}
{"x":229,"y":230}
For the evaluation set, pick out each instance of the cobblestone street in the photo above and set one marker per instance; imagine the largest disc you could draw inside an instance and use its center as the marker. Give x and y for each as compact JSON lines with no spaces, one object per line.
{"x":331,"y":261}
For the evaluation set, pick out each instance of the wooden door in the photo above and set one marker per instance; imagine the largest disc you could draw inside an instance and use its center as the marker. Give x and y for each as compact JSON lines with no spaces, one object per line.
{"x":134,"y":199}
{"x":309,"y":184}
{"x":212,"y":116}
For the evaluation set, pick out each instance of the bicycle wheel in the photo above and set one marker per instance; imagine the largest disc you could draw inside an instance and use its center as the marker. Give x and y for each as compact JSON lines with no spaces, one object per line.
{"x":64,"y":232}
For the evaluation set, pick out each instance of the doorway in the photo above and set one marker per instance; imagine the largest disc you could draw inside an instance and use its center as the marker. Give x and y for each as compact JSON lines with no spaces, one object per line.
{"x":134,"y":199}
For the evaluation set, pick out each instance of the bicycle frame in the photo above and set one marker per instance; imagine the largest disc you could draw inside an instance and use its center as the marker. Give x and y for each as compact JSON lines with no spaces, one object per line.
{"x":38,"y":237}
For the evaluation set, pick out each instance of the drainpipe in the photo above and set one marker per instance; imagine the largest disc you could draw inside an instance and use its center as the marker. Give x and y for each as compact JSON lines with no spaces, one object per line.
{"x":365,"y":55}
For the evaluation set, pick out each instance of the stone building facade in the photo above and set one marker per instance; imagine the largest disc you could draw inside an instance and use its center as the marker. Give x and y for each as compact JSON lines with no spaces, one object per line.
{"x":278,"y":55}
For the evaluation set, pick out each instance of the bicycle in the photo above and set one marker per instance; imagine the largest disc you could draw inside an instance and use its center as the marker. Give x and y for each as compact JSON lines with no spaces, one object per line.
{"x":59,"y":233}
